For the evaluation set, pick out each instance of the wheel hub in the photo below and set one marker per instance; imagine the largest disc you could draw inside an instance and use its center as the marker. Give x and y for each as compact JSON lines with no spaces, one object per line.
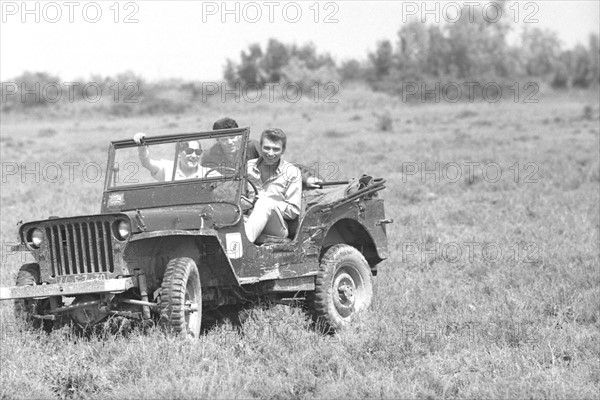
{"x":191,"y":307}
{"x":345,"y":300}
{"x":346,"y":292}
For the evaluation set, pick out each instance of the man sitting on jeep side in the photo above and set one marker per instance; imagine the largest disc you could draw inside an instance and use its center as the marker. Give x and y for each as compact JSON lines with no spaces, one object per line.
{"x":224,"y":153}
{"x":162,"y":170}
{"x":279,"y":187}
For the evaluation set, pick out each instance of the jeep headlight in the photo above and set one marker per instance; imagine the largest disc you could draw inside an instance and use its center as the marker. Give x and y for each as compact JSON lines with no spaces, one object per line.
{"x":122,"y":229}
{"x":35,"y":237}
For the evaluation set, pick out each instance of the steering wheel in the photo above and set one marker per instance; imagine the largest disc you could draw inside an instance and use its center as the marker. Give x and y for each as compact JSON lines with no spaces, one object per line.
{"x":245,"y":198}
{"x":219,"y":170}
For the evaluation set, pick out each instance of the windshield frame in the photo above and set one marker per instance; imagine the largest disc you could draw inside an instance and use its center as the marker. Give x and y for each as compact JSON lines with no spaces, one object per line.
{"x":244,"y":133}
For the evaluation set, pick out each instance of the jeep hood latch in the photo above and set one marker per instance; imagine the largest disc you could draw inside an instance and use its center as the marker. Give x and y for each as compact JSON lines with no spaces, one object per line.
{"x":140,"y":220}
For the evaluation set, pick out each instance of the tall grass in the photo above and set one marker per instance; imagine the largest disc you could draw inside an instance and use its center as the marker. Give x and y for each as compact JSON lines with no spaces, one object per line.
{"x":526,"y":324}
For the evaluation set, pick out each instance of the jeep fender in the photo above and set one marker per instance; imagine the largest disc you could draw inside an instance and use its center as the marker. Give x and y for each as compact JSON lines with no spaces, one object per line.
{"x":360,"y":226}
{"x":151,"y":252}
{"x":349,"y":231}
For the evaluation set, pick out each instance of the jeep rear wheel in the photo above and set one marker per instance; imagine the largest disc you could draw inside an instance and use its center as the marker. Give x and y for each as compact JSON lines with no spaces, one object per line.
{"x":181,"y":297}
{"x":343,"y":287}
{"x":26,"y":309}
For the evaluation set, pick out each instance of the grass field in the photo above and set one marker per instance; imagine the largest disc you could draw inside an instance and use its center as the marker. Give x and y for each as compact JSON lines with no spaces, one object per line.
{"x":492,"y":288}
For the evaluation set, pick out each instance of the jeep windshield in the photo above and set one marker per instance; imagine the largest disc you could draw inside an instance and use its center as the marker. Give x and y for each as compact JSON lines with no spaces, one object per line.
{"x":191,"y":168}
{"x":159,"y":160}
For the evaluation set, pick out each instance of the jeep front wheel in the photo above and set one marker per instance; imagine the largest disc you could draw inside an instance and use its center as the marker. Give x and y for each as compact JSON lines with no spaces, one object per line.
{"x":343,"y":287}
{"x":27,"y":309}
{"x":181,"y":297}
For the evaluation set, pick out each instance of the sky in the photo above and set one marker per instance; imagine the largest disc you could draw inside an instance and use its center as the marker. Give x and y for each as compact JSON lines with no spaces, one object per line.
{"x":191,"y":40}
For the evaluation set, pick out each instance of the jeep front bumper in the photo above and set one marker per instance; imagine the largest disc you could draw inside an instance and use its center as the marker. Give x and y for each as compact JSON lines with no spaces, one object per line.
{"x":67,"y":289}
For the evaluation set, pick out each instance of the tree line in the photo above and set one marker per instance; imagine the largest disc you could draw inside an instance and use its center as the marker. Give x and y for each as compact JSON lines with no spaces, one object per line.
{"x":462,"y":53}
{"x":466,"y":50}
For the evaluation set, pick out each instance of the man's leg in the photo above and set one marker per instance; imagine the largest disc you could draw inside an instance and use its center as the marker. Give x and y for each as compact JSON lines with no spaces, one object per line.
{"x":267,"y":218}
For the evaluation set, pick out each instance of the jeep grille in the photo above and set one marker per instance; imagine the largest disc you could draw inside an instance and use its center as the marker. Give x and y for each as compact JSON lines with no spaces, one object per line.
{"x":80,"y":247}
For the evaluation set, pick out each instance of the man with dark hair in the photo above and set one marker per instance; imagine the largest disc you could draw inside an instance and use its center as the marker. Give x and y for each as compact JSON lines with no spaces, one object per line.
{"x":224,"y":153}
{"x":279,"y":187}
{"x":225,"y":123}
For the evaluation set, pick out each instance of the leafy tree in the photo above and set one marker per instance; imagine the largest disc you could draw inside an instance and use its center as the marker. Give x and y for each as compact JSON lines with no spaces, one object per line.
{"x":578,"y":67}
{"x":229,"y":73}
{"x":308,"y":54}
{"x":351,"y":70}
{"x":382,"y":60}
{"x":540,"y":51}
{"x":249,"y":71}
{"x":562,"y":69}
{"x":438,"y":54}
{"x":413,"y":48}
{"x":281,"y":63}
{"x":478,"y":48}
{"x":298,"y":72}
{"x":34,"y":83}
{"x":594,"y":58}
{"x":582,"y":74}
{"x":275,"y":58}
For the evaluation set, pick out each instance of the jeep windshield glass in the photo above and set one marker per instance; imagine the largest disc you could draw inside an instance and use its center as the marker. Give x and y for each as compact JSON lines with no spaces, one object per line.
{"x":199,"y":159}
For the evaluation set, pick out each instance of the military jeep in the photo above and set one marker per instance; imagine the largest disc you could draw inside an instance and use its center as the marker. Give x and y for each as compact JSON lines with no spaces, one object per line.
{"x":168,"y":251}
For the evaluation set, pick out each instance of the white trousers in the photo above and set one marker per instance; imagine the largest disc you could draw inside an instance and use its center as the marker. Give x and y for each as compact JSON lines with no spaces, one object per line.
{"x":265,"y":218}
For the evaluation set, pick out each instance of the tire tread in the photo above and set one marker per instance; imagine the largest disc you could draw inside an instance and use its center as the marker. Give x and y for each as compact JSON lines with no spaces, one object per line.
{"x":172,"y":303}
{"x":319,"y":300}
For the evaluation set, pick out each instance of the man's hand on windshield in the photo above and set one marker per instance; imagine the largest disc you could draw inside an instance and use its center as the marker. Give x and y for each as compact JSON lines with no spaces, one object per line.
{"x":138,"y":138}
{"x":143,"y":151}
{"x":313,"y":182}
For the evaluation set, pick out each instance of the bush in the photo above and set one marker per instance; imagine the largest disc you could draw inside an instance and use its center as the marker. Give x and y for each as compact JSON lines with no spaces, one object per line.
{"x":384,"y":122}
{"x":298,"y":72}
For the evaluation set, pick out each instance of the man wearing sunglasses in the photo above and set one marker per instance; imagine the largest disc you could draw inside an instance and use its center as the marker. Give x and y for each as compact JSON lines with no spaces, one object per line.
{"x":188,"y":165}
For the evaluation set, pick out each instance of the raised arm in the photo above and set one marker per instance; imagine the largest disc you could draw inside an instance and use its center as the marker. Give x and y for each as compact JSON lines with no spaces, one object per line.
{"x":151,"y":165}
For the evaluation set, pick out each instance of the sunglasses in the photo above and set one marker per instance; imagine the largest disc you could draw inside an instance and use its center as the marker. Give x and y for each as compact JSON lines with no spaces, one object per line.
{"x":189,"y":151}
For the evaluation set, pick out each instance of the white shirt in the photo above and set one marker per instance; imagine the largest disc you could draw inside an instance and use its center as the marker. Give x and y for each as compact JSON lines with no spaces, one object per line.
{"x":165,"y":172}
{"x":285,"y":186}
